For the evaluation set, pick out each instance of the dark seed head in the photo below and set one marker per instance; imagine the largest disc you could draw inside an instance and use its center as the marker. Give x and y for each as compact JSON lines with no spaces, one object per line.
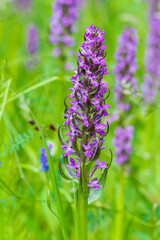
{"x":36,"y":128}
{"x":52,"y":127}
{"x":32,"y":122}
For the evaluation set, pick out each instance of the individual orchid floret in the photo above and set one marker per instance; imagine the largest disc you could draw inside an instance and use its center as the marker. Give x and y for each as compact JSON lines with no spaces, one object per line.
{"x":101,"y":165}
{"x":151,"y":82}
{"x":94,"y":184}
{"x":122,"y":143}
{"x":74,"y":165}
{"x":65,"y":13}
{"x":43,"y":157}
{"x":85,"y":110}
{"x":126,"y":67}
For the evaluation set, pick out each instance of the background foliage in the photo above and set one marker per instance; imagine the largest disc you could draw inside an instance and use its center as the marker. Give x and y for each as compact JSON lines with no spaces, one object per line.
{"x":129,"y":204}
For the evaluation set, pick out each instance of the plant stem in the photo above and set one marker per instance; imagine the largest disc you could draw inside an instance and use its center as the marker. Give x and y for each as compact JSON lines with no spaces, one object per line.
{"x":153,"y":221}
{"x":120,"y":208}
{"x":82,"y":202}
{"x":82,"y":215}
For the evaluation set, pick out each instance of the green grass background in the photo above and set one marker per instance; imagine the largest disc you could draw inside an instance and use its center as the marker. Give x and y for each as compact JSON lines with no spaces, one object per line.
{"x":129,"y":207}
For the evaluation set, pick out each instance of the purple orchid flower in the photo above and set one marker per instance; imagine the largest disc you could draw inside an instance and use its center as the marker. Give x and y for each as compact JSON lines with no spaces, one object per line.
{"x":126,"y":67}
{"x":122,"y":143}
{"x":87,"y":107}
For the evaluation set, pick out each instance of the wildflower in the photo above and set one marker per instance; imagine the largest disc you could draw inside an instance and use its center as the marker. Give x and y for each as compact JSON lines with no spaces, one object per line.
{"x":32,"y":39}
{"x":151,"y":82}
{"x":74,"y":165}
{"x":94,"y":184}
{"x":126,"y":67}
{"x":22,"y":4}
{"x":43,"y":158}
{"x":153,"y":6}
{"x":122,"y":143}
{"x":65,"y":13}
{"x":87,"y":107}
{"x":32,"y":44}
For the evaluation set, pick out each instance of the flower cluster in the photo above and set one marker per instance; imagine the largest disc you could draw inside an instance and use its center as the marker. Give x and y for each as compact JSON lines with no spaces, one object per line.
{"x":122,"y":143}
{"x":43,"y":158}
{"x":152,"y":62}
{"x":65,"y":13}
{"x":84,"y":125}
{"x":153,"y":6}
{"x":32,"y":39}
{"x":32,"y":42}
{"x":126,"y":84}
{"x":126,"y":67}
{"x":22,"y":4}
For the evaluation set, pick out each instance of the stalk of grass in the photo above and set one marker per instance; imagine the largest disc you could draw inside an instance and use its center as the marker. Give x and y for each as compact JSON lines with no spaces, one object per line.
{"x":12,"y":131}
{"x":55,"y":187}
{"x":5,"y":98}
{"x":32,"y":88}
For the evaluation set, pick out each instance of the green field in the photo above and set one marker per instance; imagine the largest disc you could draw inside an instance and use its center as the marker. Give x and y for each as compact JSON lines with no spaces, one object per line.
{"x":129,"y":207}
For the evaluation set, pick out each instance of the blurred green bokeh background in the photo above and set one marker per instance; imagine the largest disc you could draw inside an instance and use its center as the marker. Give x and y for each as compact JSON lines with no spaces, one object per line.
{"x":129,"y":204}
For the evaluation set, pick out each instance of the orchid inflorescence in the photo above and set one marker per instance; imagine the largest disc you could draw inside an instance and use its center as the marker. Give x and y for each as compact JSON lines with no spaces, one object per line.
{"x":32,"y":43}
{"x":65,"y":13}
{"x":32,"y":39}
{"x":22,"y":4}
{"x":152,"y":62}
{"x":126,"y":84}
{"x":122,"y":143}
{"x":126,"y":67}
{"x":84,"y":125}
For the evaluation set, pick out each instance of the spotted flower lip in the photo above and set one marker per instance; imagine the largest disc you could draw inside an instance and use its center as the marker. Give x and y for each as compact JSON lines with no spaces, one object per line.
{"x":86,"y":106}
{"x":94,"y":184}
{"x":125,"y":67}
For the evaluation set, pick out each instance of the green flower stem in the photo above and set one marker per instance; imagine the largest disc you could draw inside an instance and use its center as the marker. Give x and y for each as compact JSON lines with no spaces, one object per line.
{"x":83,"y":202}
{"x":153,"y":221}
{"x":120,"y":207}
{"x":82,"y":214}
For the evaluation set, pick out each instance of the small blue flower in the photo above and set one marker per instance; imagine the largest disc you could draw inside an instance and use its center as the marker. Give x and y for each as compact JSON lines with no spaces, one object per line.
{"x":43,"y":158}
